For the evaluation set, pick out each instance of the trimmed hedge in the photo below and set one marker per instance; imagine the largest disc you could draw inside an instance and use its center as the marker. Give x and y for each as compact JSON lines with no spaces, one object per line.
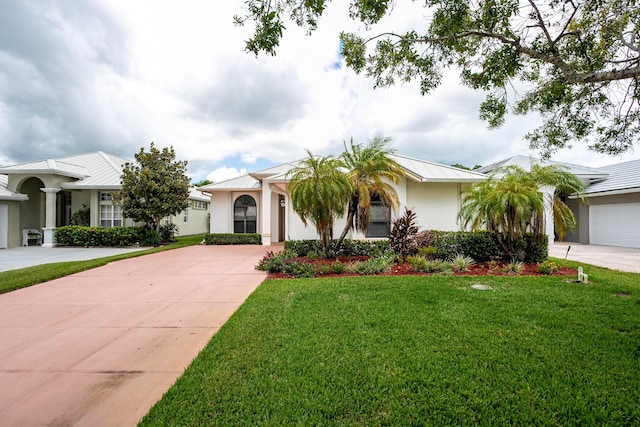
{"x":483,"y":246}
{"x":348,"y":247}
{"x":79,"y":235}
{"x":232,"y":239}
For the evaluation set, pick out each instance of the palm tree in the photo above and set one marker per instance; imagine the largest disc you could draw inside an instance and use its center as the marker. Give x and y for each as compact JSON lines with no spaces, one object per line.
{"x":563,"y":183}
{"x":514,"y":204}
{"x":371,"y":172}
{"x":319,"y":192}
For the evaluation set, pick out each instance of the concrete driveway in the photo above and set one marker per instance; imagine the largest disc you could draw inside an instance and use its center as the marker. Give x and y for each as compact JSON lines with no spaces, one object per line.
{"x":101,"y":347}
{"x":613,"y":257}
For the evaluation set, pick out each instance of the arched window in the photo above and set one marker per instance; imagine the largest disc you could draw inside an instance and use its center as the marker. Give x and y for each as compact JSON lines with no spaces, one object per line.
{"x":379,"y":218}
{"x":245,"y":215}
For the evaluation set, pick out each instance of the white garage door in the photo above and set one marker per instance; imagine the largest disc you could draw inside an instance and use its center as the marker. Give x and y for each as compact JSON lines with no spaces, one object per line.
{"x":615,"y":225}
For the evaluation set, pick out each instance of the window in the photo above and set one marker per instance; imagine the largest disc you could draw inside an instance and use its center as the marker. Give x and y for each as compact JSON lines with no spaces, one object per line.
{"x":110,"y":214}
{"x":379,"y":218}
{"x":245,"y":215}
{"x":185,"y":217}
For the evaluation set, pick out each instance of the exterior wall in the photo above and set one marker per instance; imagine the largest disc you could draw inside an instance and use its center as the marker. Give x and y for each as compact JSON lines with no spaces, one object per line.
{"x":435,"y":204}
{"x":197,"y":220}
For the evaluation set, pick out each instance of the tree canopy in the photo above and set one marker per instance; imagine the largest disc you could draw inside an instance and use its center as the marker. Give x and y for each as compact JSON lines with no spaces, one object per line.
{"x":153,"y":187}
{"x":578,"y":60}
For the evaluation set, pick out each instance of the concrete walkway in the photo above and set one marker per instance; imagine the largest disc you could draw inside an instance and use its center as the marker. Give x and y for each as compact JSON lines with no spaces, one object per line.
{"x":28,"y":256}
{"x":613,"y":257}
{"x":101,"y":347}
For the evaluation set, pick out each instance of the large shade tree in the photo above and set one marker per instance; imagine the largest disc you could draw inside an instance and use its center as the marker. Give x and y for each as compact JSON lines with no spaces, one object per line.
{"x":319,"y":191}
{"x":371,"y":171}
{"x":153,"y":187}
{"x":577,"y":61}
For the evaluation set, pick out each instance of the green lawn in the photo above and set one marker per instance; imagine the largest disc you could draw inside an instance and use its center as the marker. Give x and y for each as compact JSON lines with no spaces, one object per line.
{"x":23,"y":277}
{"x":420,"y":351}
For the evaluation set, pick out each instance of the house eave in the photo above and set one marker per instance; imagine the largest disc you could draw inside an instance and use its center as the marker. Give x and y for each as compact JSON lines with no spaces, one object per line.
{"x":609,"y":193}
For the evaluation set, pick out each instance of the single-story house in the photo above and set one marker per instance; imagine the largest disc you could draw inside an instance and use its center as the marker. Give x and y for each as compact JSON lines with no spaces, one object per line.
{"x":611,"y":213}
{"x":259,"y":202}
{"x":37,"y":197}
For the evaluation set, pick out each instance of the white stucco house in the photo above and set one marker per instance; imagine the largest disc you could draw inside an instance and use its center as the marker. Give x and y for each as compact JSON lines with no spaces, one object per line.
{"x":37,"y":197}
{"x":611,"y":214}
{"x":259,"y":202}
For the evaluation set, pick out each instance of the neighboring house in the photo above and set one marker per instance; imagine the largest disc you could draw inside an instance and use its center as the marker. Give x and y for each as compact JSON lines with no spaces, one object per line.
{"x":259,"y":202}
{"x":611,"y":214}
{"x":43,"y":195}
{"x":194,"y":219}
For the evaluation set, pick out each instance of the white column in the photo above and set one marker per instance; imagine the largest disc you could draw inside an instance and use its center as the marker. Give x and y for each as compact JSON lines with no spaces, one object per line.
{"x":49,"y":216}
{"x":265,"y":217}
{"x":548,"y":192}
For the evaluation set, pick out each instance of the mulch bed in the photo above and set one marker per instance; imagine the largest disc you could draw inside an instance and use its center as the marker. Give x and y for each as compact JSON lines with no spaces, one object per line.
{"x":403,"y":269}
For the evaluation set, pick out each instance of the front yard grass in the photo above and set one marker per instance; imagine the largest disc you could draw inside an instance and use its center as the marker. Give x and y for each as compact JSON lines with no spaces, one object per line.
{"x":420,"y":350}
{"x":23,"y":277}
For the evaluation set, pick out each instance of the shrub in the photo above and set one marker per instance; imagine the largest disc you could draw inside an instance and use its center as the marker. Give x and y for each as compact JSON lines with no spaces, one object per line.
{"x":375,"y":265}
{"x":274,"y":262}
{"x":514,"y":267}
{"x":462,"y":262}
{"x":78,"y":235}
{"x":232,"y":239}
{"x":402,"y":238}
{"x":428,"y":253}
{"x":348,"y":247}
{"x":483,"y":246}
{"x":297,"y":268}
{"x":547,"y":267}
{"x":423,"y":265}
{"x":81,"y":216}
{"x":168,"y":232}
{"x":338,"y":267}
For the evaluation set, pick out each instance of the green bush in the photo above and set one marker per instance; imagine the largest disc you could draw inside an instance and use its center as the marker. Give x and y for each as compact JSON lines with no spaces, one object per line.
{"x":374,"y":265}
{"x":547,"y":267}
{"x":348,"y":247}
{"x":78,"y":235}
{"x":232,"y":239}
{"x":483,"y":246}
{"x":423,"y":265}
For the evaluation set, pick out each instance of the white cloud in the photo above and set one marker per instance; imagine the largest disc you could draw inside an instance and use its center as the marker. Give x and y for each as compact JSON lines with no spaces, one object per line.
{"x":224,"y":173}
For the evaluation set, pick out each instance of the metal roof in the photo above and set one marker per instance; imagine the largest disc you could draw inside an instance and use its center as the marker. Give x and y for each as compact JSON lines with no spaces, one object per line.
{"x":49,"y":166}
{"x":241,"y":183}
{"x":424,"y":171}
{"x":6,"y":194}
{"x":622,"y":178}
{"x":583,"y":172}
{"x":104,"y":169}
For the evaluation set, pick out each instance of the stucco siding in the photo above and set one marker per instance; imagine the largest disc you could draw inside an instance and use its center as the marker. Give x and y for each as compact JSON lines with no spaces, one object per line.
{"x":435,"y":204}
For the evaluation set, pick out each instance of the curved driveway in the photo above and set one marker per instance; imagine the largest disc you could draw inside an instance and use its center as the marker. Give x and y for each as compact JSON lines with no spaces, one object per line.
{"x":101,"y":347}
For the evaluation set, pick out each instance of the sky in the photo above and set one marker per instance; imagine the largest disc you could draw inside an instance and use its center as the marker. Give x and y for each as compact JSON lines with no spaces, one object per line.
{"x":115,"y":75}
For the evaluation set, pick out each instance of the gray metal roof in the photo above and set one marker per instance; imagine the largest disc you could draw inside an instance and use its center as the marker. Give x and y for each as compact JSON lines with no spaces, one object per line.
{"x":583,"y":172}
{"x":6,"y":194}
{"x":424,"y":171}
{"x":104,"y":170}
{"x":241,"y":183}
{"x":49,"y":166}
{"x":622,"y":178}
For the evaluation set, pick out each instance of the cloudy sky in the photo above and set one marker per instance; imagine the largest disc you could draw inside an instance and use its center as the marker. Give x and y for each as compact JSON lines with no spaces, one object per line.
{"x":114,"y":75}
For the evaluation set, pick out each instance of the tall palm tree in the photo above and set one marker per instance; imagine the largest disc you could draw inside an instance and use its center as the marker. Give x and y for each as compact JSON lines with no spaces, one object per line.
{"x":371,"y":171}
{"x":319,"y":192}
